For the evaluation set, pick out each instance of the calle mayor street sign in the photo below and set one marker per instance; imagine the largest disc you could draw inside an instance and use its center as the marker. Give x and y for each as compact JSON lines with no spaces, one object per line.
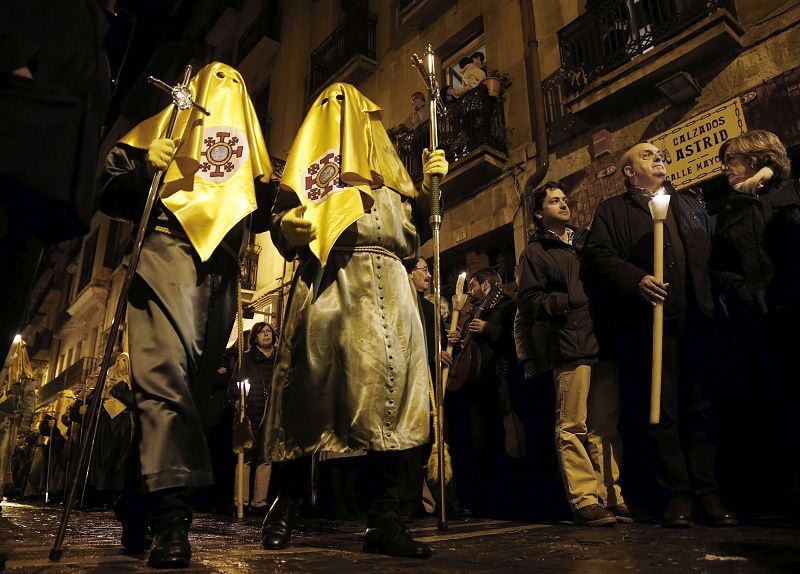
{"x":691,"y":148}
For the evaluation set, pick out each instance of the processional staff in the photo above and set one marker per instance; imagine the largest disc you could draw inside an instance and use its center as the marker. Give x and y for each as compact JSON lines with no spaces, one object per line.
{"x":181,"y":100}
{"x":428,"y":73}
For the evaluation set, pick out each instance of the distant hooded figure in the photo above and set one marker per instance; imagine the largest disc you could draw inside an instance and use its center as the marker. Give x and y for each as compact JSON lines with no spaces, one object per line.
{"x":351,"y":371}
{"x":182,"y":303}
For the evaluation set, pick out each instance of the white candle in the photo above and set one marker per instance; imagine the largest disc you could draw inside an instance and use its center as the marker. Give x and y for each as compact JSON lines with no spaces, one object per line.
{"x":658,"y":205}
{"x":462,"y":278}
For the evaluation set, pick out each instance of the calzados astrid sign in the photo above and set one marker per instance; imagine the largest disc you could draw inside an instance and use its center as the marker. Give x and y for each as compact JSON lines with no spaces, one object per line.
{"x":691,"y":149}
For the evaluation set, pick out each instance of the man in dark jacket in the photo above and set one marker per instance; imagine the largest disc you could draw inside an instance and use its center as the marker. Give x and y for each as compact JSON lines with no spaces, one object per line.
{"x":618,"y":266}
{"x":484,"y":430}
{"x":552,"y":300}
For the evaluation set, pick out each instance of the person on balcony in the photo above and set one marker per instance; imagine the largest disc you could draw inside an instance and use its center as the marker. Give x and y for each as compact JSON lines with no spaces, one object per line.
{"x":479,"y":60}
{"x":422,"y":112}
{"x":471,"y":77}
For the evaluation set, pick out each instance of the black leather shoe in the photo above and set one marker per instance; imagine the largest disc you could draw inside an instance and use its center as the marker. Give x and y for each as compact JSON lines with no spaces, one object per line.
{"x":171,"y":547}
{"x":713,"y":512}
{"x":678,"y":513}
{"x":136,"y":536}
{"x":276,"y":532}
{"x":392,"y":538}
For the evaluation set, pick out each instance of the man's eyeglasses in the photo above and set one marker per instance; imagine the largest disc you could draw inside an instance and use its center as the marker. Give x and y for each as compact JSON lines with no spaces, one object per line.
{"x":652,"y":155}
{"x":423,"y":269}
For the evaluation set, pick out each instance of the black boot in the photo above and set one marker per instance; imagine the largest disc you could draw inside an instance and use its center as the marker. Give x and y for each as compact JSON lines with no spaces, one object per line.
{"x":390,"y":536}
{"x":171,"y":547}
{"x":276,"y":532}
{"x":131,"y":511}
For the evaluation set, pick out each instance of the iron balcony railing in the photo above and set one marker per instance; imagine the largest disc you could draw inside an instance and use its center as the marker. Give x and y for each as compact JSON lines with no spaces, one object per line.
{"x":561,"y":124}
{"x":355,"y":37}
{"x":473,"y":120}
{"x":613,"y":32}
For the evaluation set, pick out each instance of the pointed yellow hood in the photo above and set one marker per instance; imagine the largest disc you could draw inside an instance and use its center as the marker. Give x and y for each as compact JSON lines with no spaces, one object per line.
{"x":209,"y":186}
{"x":341,"y":152}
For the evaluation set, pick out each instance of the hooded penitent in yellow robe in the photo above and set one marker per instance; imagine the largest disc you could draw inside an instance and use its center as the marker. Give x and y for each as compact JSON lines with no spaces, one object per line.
{"x":351,"y":370}
{"x":341,"y":152}
{"x":209,"y":184}
{"x":118,"y":374}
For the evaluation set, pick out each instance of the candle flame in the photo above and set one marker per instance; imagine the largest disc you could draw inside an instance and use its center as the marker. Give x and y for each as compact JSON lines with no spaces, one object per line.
{"x":462,"y":277}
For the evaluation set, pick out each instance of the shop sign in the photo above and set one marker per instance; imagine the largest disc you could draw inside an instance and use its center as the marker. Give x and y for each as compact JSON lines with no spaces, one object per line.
{"x":691,"y":148}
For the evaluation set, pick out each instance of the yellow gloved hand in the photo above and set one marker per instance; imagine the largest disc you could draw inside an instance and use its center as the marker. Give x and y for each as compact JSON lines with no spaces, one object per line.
{"x":298,"y":231}
{"x":433,"y":163}
{"x":160,"y":153}
{"x":83,"y":409}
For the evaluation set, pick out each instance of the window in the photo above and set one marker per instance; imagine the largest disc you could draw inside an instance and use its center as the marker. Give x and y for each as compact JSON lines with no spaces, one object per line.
{"x":87,"y":261}
{"x":452,"y":71}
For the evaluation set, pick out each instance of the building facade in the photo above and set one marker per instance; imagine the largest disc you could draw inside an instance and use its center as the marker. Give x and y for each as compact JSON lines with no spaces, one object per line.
{"x":580,"y":82}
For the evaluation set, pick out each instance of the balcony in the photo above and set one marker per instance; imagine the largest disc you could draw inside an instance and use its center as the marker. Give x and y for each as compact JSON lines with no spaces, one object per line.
{"x":611,"y":52}
{"x":472,"y":131}
{"x":347,"y":55}
{"x":73,"y":376}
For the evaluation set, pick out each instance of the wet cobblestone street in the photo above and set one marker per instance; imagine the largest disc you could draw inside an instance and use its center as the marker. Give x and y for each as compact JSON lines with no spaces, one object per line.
{"x":475,"y":545}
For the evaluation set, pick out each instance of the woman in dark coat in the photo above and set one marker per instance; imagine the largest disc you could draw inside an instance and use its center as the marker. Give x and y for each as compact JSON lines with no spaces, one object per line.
{"x":257,"y":367}
{"x":756,"y":272}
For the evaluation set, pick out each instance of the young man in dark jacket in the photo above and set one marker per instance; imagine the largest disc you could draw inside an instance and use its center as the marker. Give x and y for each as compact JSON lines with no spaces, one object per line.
{"x":552,"y":301}
{"x":618,"y":266}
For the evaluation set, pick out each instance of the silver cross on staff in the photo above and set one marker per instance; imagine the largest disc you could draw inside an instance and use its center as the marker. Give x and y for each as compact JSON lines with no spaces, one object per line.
{"x":181,"y":96}
{"x":429,"y":77}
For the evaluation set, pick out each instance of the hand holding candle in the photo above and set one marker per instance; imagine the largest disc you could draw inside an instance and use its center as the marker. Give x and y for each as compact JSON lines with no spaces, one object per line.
{"x":659,"y":206}
{"x":459,"y":299}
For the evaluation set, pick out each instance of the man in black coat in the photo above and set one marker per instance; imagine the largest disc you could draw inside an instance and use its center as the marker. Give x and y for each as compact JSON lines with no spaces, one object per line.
{"x":483,"y":428}
{"x":618,"y":269}
{"x":552,"y":300}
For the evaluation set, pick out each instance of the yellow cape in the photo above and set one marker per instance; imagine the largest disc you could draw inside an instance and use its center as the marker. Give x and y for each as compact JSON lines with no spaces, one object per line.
{"x":340,"y":153}
{"x":209,"y":186}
